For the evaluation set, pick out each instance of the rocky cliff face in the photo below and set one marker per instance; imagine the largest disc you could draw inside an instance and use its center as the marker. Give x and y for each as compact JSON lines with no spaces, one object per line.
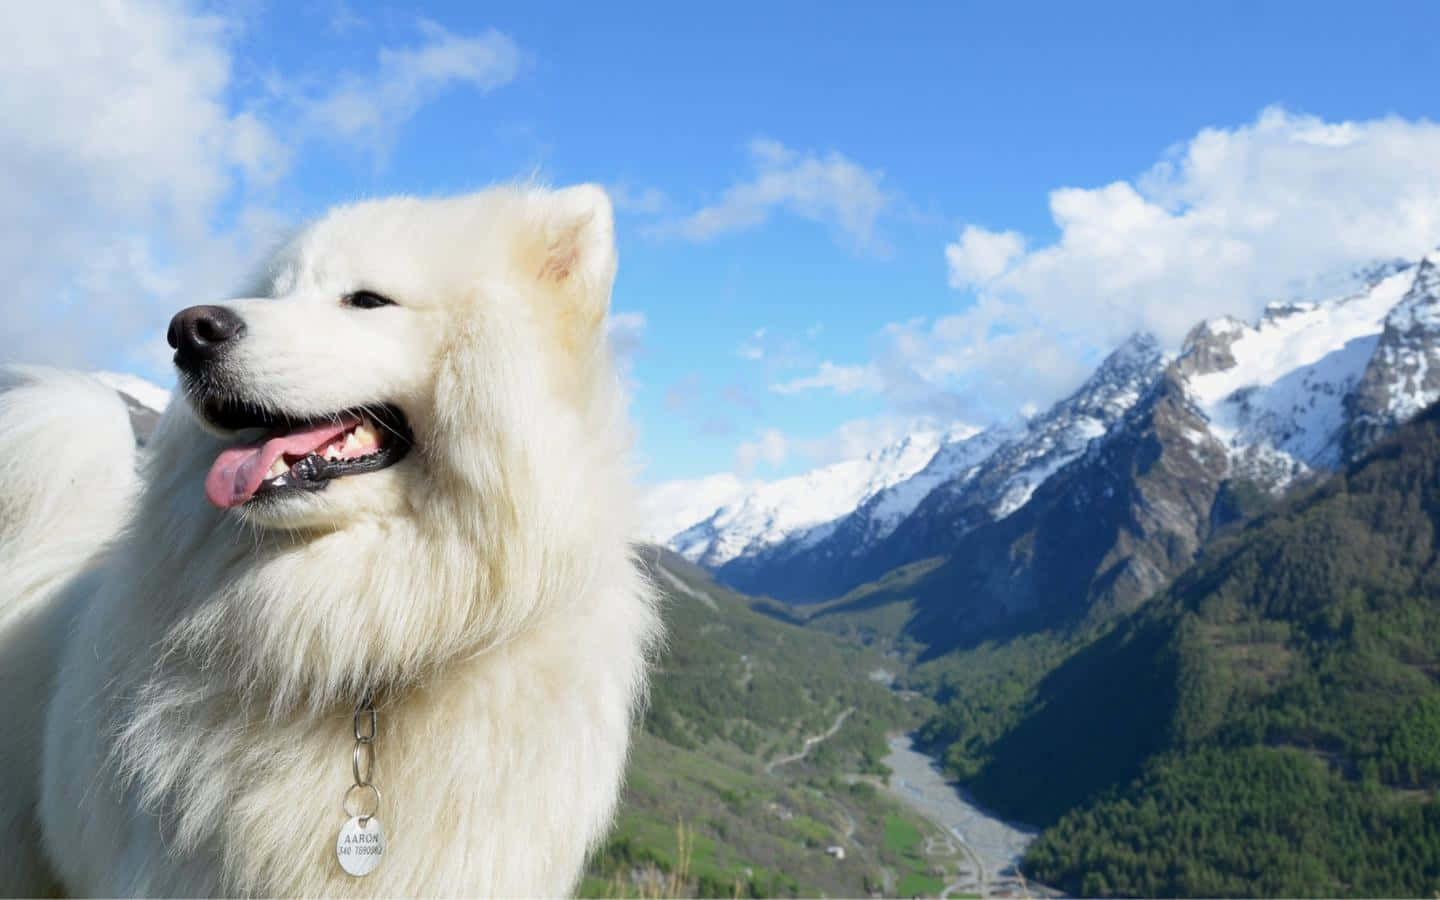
{"x":1402,"y":376}
{"x":1096,"y":539}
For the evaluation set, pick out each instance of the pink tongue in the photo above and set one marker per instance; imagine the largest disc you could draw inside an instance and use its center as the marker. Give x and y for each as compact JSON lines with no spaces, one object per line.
{"x":237,"y":472}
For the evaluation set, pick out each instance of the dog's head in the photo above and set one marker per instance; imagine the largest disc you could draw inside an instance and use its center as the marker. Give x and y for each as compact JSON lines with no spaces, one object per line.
{"x":398,"y":349}
{"x":404,"y":443}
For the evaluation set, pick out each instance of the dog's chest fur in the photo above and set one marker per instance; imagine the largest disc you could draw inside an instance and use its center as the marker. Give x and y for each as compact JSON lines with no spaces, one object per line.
{"x":496,"y":774}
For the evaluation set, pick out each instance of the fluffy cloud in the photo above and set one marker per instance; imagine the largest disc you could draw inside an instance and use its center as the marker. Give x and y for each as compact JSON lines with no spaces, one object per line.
{"x":981,"y":255}
{"x":770,"y":448}
{"x":371,"y":104}
{"x":827,"y":189}
{"x":116,"y":148}
{"x":133,"y":180}
{"x":1225,"y":222}
{"x":840,"y":379}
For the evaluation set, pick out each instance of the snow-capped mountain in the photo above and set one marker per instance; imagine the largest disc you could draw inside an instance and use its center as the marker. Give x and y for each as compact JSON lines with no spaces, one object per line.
{"x":969,"y":482}
{"x":1150,"y":445}
{"x":806,"y":507}
{"x":672,"y":507}
{"x":1024,"y":460}
{"x":1273,"y":393}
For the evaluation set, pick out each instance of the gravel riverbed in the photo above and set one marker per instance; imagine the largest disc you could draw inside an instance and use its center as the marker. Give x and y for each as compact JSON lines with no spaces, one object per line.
{"x":918,"y":781}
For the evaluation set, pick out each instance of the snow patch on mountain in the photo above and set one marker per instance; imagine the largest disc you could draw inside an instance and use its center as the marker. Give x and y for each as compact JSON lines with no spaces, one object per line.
{"x":1051,"y":441}
{"x":1274,"y":391}
{"x":805,"y":507}
{"x":955,"y":462}
{"x":675,"y":505}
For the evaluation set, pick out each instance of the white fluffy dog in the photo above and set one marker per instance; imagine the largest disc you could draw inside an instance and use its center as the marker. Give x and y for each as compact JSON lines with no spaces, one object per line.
{"x":399,"y":471}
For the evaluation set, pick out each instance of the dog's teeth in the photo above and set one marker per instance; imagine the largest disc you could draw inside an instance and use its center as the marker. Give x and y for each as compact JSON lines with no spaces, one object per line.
{"x":332,"y":452}
{"x":365,"y":436}
{"x":277,"y":468}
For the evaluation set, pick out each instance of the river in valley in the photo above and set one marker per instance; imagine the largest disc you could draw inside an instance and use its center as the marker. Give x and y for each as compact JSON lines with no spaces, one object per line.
{"x":996,"y":844}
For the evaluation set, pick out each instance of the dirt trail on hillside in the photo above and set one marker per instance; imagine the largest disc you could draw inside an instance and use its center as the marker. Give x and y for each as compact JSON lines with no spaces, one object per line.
{"x":810,"y":742}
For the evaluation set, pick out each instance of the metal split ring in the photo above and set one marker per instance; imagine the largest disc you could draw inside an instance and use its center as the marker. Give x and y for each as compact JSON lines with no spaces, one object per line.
{"x":369,"y":768}
{"x":374,"y":810}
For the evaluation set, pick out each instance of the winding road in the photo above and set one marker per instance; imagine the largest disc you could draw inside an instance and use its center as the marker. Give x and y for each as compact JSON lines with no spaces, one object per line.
{"x":809,"y":743}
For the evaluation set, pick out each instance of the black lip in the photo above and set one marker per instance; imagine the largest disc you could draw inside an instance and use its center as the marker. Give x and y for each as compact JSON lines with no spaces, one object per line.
{"x":313,"y":472}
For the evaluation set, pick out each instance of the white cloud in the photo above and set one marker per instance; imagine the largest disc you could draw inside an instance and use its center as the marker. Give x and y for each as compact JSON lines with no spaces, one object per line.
{"x":671,"y":506}
{"x":133,"y":181}
{"x":1225,"y":222}
{"x":827,"y":189}
{"x":771,"y":448}
{"x":116,"y":148}
{"x":842,"y":380}
{"x":981,"y":255}
{"x":404,"y":80}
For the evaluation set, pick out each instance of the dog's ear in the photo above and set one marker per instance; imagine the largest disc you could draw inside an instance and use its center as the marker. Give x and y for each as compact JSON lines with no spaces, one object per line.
{"x":578,"y":257}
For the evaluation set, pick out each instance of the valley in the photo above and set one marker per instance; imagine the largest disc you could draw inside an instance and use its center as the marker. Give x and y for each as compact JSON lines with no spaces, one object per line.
{"x":1184,"y":621}
{"x":821,"y":793}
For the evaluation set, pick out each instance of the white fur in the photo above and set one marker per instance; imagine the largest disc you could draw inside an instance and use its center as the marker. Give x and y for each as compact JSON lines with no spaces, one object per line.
{"x":198,"y":734}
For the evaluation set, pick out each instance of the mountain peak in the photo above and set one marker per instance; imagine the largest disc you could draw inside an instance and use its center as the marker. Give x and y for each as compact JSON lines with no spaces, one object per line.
{"x":1206,"y":348}
{"x":1403,"y":374}
{"x":1139,"y":352}
{"x":1419,"y":309}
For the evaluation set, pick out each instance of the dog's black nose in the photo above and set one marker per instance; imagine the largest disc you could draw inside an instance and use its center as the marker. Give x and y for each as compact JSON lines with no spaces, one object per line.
{"x":200,"y":333}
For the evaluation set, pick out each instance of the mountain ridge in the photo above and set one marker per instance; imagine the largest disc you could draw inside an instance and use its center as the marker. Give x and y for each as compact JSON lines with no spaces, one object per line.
{"x":1248,"y":407}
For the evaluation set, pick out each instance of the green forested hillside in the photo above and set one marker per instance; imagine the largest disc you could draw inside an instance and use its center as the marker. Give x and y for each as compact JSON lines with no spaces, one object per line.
{"x":1270,"y":724}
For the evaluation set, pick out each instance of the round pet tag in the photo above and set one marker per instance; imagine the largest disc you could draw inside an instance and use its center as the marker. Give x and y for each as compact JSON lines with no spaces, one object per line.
{"x":361,"y":845}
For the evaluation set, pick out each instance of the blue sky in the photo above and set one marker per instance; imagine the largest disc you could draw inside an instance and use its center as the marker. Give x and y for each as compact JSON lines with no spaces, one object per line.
{"x":836,"y":221}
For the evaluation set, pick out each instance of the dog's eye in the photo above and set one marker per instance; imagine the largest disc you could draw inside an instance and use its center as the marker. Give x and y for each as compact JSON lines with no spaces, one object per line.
{"x":366,"y":300}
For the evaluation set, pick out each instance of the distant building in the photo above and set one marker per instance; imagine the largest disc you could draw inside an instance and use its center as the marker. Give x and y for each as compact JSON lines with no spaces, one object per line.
{"x":836,"y":851}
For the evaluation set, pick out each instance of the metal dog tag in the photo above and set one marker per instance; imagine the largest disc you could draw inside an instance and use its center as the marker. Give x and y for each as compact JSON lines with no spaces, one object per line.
{"x":360,"y":846}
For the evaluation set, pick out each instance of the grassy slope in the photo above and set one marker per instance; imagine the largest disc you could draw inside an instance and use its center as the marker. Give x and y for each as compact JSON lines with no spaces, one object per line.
{"x":733,"y":691}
